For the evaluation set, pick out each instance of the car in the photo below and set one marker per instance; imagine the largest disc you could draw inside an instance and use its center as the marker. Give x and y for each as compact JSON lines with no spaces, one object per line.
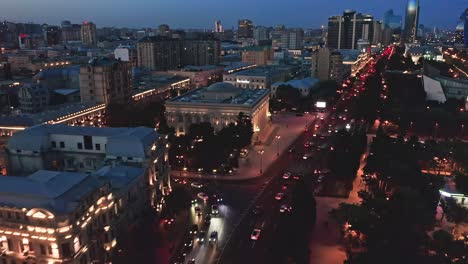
{"x":279,"y":196}
{"x":197,"y":210}
{"x":243,"y":153}
{"x":214,"y":209}
{"x":218,"y":198}
{"x":201,"y":237}
{"x":286,"y":175}
{"x":197,"y":185}
{"x":189,"y":243}
{"x":258,"y":210}
{"x":192,"y":261}
{"x":194,"y":201}
{"x":307,"y":155}
{"x":320,"y":178}
{"x":297,"y":176}
{"x":291,"y":149}
{"x":203,"y":196}
{"x":214,"y":236}
{"x":284,"y":187}
{"x":285,"y":208}
{"x":168,"y":221}
{"x":255,"y":234}
{"x":194,"y":230}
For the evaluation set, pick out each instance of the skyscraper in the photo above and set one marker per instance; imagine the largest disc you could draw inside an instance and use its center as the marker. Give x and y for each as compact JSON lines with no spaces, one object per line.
{"x":465,"y":27}
{"x":390,"y":20}
{"x":345,"y":31}
{"x":411,"y":21}
{"x":218,"y":26}
{"x":105,"y":81}
{"x":245,"y":29}
{"x":88,"y":33}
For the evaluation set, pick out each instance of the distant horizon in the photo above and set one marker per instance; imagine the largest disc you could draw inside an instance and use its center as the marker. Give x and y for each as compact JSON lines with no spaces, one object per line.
{"x":191,"y":14}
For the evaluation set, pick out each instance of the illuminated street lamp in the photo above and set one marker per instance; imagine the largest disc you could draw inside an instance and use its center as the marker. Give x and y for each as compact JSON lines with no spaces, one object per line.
{"x":277,"y":140}
{"x":261,"y":160}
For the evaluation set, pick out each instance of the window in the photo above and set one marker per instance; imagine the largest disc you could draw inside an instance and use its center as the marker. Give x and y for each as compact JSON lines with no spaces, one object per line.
{"x":130,"y":158}
{"x":66,"y":250}
{"x":17,"y":215}
{"x":54,"y":144}
{"x":88,"y":142}
{"x":79,"y":145}
{"x":43,"y":251}
{"x":97,"y":146}
{"x":62,"y":144}
{"x":49,"y":249}
{"x":8,"y":214}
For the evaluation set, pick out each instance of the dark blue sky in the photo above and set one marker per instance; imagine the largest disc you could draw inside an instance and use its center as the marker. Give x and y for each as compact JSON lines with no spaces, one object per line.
{"x":202,"y":13}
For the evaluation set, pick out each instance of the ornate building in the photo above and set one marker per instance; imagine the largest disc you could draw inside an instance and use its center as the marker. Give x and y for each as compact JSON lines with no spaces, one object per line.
{"x":218,"y":104}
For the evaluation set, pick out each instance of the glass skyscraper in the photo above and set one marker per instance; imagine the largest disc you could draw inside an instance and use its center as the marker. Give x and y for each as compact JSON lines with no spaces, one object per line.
{"x":411,"y":21}
{"x":390,"y":20}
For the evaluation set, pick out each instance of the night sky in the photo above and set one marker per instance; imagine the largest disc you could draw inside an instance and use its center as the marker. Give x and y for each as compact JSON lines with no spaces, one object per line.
{"x":203,"y":13}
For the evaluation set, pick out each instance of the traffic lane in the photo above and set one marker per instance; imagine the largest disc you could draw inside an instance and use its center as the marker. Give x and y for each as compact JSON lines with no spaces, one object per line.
{"x":257,"y":250}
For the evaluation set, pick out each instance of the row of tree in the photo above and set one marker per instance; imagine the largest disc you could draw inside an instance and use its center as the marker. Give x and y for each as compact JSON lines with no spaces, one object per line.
{"x":204,"y":148}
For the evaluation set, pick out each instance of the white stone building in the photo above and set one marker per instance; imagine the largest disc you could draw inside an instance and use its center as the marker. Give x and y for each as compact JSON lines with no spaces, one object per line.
{"x":218,"y":104}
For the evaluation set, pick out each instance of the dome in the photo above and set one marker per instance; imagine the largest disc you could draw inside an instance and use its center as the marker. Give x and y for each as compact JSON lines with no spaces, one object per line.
{"x":223,"y":87}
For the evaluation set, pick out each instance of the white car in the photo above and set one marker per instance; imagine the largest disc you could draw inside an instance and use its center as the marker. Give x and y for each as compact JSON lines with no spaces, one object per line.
{"x":203,"y":196}
{"x":214,"y":209}
{"x":286,"y":175}
{"x":196,"y":184}
{"x":279,"y":196}
{"x":255,"y":234}
{"x":285,"y":208}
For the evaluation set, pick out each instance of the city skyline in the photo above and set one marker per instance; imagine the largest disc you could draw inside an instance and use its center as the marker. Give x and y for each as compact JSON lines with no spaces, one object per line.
{"x":144,"y":13}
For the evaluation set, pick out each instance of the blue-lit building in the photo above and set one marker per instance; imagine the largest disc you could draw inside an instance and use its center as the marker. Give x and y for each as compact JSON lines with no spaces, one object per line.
{"x":390,"y":20}
{"x":465,"y":16}
{"x":411,"y":21}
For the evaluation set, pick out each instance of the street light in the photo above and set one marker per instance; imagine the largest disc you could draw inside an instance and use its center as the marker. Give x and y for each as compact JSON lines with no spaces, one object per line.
{"x":277,"y":140}
{"x":261,"y":160}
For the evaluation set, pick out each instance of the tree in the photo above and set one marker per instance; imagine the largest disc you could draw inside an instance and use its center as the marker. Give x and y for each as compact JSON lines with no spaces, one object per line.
{"x":461,"y":181}
{"x":289,"y":95}
{"x":454,"y":212}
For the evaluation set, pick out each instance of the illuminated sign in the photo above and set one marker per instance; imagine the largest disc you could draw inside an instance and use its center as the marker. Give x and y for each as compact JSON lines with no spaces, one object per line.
{"x":243,"y":81}
{"x":321,"y":104}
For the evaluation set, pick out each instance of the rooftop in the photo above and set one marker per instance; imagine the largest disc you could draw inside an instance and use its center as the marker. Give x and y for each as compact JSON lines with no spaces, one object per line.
{"x":59,"y":192}
{"x":305,"y":83}
{"x":119,"y":176}
{"x":126,"y":142}
{"x":257,"y":48}
{"x":222,"y":93}
{"x":260,"y":71}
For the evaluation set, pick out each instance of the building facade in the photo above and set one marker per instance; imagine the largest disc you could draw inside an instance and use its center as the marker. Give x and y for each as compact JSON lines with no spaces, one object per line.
{"x":345,"y":31}
{"x":259,"y":77}
{"x":105,"y":81}
{"x":411,"y":21}
{"x":88,"y":33}
{"x":218,"y":104}
{"x":244,"y":29}
{"x":327,"y":65}
{"x":55,"y":217}
{"x":162,"y":53}
{"x":258,"y":55}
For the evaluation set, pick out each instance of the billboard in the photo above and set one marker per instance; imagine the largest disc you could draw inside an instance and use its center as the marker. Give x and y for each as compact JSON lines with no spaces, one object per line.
{"x":321,"y":104}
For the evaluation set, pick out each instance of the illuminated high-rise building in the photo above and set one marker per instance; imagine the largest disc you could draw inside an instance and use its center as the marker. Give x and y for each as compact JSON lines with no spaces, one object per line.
{"x":411,"y":21}
{"x":245,"y":29}
{"x":218,"y":26}
{"x":345,"y":31}
{"x":88,"y":33}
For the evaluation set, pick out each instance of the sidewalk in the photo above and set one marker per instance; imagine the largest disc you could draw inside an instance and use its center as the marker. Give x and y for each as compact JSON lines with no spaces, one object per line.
{"x":287,"y":126}
{"x":325,"y":245}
